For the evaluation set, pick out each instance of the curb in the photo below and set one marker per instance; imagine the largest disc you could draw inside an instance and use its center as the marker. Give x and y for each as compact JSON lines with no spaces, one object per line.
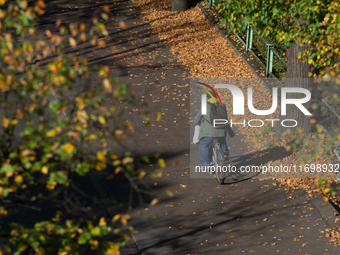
{"x":326,"y":209}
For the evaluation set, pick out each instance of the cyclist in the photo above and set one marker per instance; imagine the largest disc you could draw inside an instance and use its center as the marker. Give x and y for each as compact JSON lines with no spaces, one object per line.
{"x":208,"y":133}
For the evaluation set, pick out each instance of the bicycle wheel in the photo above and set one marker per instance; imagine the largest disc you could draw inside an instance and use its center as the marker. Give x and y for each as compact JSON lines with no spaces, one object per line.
{"x":219,"y":163}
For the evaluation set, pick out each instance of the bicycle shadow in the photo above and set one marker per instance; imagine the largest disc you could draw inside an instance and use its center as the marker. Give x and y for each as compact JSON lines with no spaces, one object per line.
{"x":249,"y":166}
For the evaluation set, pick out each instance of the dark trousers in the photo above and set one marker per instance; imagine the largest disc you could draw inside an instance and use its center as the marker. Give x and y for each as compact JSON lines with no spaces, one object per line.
{"x":204,"y":148}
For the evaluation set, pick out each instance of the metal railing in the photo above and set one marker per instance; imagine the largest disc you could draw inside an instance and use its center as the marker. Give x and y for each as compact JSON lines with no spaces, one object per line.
{"x":248,"y":43}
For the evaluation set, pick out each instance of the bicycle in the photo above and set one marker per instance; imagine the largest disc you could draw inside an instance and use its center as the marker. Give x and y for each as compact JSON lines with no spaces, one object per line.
{"x":218,"y":161}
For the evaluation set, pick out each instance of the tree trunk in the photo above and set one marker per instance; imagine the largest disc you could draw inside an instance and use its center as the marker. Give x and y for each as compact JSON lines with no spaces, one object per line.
{"x":182,"y":5}
{"x":297,"y":76}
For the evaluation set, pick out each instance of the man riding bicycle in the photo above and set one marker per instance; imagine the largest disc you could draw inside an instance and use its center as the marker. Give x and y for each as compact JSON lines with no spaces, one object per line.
{"x":208,"y":133}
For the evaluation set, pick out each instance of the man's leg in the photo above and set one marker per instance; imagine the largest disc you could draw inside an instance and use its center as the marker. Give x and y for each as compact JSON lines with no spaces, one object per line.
{"x":204,"y":150}
{"x":224,"y":145}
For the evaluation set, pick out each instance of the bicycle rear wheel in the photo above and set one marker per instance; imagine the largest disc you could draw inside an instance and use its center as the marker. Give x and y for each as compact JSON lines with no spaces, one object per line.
{"x":219,"y":163}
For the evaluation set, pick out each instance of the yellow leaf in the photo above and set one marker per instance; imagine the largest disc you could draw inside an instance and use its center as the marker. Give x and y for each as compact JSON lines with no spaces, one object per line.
{"x":122,"y":24}
{"x":48,"y":33}
{"x":116,"y":217}
{"x":72,"y":42}
{"x":24,"y":2}
{"x":100,"y":156}
{"x":93,"y":137}
{"x":95,"y":231}
{"x":24,"y":153}
{"x":19,"y":114}
{"x":58,"y":22}
{"x":312,"y":121}
{"x":2,"y":2}
{"x":170,"y":194}
{"x":41,"y":4}
{"x":107,"y":86}
{"x":31,"y":108}
{"x":5,"y":122}
{"x":2,"y":211}
{"x":123,"y":220}
{"x":113,"y":250}
{"x":104,"y":16}
{"x":69,"y":148}
{"x":51,"y":133}
{"x":126,"y":237}
{"x":119,"y":132}
{"x":299,"y":130}
{"x":154,"y":201}
{"x":14,"y":122}
{"x":319,"y":129}
{"x":325,"y":199}
{"x":44,"y":170}
{"x":93,"y":41}
{"x":18,"y":179}
{"x":94,"y":243}
{"x":158,"y":116}
{"x":83,"y":37}
{"x":102,"y":120}
{"x":142,"y":174}
{"x":287,"y":148}
{"x":127,"y":160}
{"x":52,"y":67}
{"x":100,"y":166}
{"x":118,"y":169}
{"x":102,"y":221}
{"x":161,"y":163}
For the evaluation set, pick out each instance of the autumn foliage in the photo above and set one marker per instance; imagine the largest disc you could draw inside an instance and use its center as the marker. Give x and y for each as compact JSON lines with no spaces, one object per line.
{"x":52,"y":128}
{"x":318,"y":27}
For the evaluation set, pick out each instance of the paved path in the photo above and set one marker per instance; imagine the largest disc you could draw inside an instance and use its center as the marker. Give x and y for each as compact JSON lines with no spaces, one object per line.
{"x":248,"y":216}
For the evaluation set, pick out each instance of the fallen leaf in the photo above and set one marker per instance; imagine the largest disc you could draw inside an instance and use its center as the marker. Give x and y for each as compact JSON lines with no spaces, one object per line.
{"x":154,"y":201}
{"x":122,"y":24}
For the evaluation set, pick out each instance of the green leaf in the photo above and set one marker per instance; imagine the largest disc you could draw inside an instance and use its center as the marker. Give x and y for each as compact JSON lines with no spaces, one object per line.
{"x":58,"y":177}
{"x":145,"y":159}
{"x":20,"y":4}
{"x":122,"y":89}
{"x":82,"y":168}
{"x":13,"y":154}
{"x":5,"y":192}
{"x":115,"y":80}
{"x":7,"y":168}
{"x":28,"y":165}
{"x":275,"y":11}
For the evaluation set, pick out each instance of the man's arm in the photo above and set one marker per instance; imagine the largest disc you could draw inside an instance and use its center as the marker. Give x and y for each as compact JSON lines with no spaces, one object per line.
{"x":198,"y":118}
